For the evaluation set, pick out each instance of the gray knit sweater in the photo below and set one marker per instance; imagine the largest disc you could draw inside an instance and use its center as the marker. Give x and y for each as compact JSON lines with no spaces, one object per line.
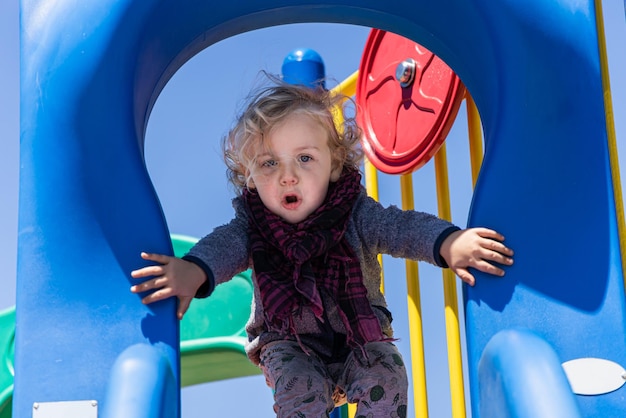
{"x":372,"y":230}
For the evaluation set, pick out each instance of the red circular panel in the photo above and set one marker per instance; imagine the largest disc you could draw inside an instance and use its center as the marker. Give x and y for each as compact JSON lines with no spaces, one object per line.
{"x":404,"y":126}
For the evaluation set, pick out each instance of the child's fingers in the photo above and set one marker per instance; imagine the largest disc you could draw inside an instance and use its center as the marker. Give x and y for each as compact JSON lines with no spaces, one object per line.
{"x":489,"y":233}
{"x":147,"y":272}
{"x":158,"y":295}
{"x":157,"y":283}
{"x":183,"y":306}
{"x":497,"y":256}
{"x":159,"y":258}
{"x":494,"y":241}
{"x":487,"y":267}
{"x":466,"y":276}
{"x":499,"y":247}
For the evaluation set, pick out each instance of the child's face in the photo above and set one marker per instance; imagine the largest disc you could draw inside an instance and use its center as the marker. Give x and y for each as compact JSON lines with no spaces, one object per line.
{"x":292,"y":177}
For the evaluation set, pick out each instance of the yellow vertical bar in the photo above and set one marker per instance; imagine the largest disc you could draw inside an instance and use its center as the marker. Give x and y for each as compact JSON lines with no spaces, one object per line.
{"x":416,"y":339}
{"x":453,"y":333}
{"x":475,"y":136}
{"x":610,"y":131}
{"x":371,"y":180}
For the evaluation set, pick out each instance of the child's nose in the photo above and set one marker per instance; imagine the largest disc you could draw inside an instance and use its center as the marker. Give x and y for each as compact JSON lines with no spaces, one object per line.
{"x":288,"y":173}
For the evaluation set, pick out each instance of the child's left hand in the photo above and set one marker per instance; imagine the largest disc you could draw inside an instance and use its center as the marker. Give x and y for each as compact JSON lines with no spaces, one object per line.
{"x":479,"y":248}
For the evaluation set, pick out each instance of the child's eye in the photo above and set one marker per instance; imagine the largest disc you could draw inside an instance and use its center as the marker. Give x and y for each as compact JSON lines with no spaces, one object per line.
{"x":305,"y":158}
{"x":269,"y":163}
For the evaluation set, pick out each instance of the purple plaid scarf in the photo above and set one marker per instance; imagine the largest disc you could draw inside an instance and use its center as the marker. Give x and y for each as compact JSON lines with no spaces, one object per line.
{"x":293,"y":261}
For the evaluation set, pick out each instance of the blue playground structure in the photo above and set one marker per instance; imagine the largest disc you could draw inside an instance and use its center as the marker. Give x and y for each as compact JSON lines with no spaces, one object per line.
{"x":549,"y":181}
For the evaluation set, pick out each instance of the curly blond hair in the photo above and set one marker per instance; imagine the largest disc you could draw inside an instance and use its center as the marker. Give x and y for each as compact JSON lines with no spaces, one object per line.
{"x":269,"y":106}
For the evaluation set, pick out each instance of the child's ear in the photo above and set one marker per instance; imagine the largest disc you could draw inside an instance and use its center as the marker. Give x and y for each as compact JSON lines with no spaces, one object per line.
{"x":338,"y":159}
{"x":336,"y":172}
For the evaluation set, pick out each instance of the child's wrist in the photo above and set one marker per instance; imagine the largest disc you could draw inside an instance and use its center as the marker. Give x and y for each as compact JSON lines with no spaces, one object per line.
{"x":205,"y":279}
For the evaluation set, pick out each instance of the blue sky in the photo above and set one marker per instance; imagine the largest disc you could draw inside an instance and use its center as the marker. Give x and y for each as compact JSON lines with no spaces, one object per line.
{"x":183,"y":157}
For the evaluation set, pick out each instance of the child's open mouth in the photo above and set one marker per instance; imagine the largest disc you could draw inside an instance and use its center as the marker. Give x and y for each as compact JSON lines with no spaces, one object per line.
{"x":291,"y":201}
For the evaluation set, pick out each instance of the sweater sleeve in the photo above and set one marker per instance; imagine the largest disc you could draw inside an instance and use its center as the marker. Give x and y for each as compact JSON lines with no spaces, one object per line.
{"x":224,"y":252}
{"x":401,"y":233}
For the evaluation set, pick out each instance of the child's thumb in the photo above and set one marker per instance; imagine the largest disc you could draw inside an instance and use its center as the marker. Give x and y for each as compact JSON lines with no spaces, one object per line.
{"x":183,"y":305}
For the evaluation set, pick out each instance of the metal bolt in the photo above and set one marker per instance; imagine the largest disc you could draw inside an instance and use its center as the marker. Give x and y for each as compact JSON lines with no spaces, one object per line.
{"x":624,"y":375}
{"x":35,"y":405}
{"x":94,"y":403}
{"x":405,"y":72}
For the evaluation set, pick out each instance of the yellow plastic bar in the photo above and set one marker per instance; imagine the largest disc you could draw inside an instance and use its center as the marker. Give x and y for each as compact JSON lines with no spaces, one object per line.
{"x":348,"y":86}
{"x":475,"y":136}
{"x":371,"y":180}
{"x":453,"y":334}
{"x":610,"y":131}
{"x":416,"y":338}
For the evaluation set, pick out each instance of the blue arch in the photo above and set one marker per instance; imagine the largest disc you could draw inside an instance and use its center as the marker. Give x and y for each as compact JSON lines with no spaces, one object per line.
{"x":91,"y":72}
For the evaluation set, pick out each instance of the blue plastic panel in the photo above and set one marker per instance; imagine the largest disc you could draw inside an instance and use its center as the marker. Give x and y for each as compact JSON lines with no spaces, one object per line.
{"x":91,"y":71}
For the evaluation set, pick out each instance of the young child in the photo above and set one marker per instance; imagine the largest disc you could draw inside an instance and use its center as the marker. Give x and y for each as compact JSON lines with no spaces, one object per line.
{"x":319,"y":327}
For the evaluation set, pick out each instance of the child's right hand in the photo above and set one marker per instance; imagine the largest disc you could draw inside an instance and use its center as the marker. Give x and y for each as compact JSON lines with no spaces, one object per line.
{"x":172,"y":276}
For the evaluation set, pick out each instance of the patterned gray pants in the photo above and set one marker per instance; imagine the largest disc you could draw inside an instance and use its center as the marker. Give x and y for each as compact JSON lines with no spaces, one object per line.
{"x":304,"y":386}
